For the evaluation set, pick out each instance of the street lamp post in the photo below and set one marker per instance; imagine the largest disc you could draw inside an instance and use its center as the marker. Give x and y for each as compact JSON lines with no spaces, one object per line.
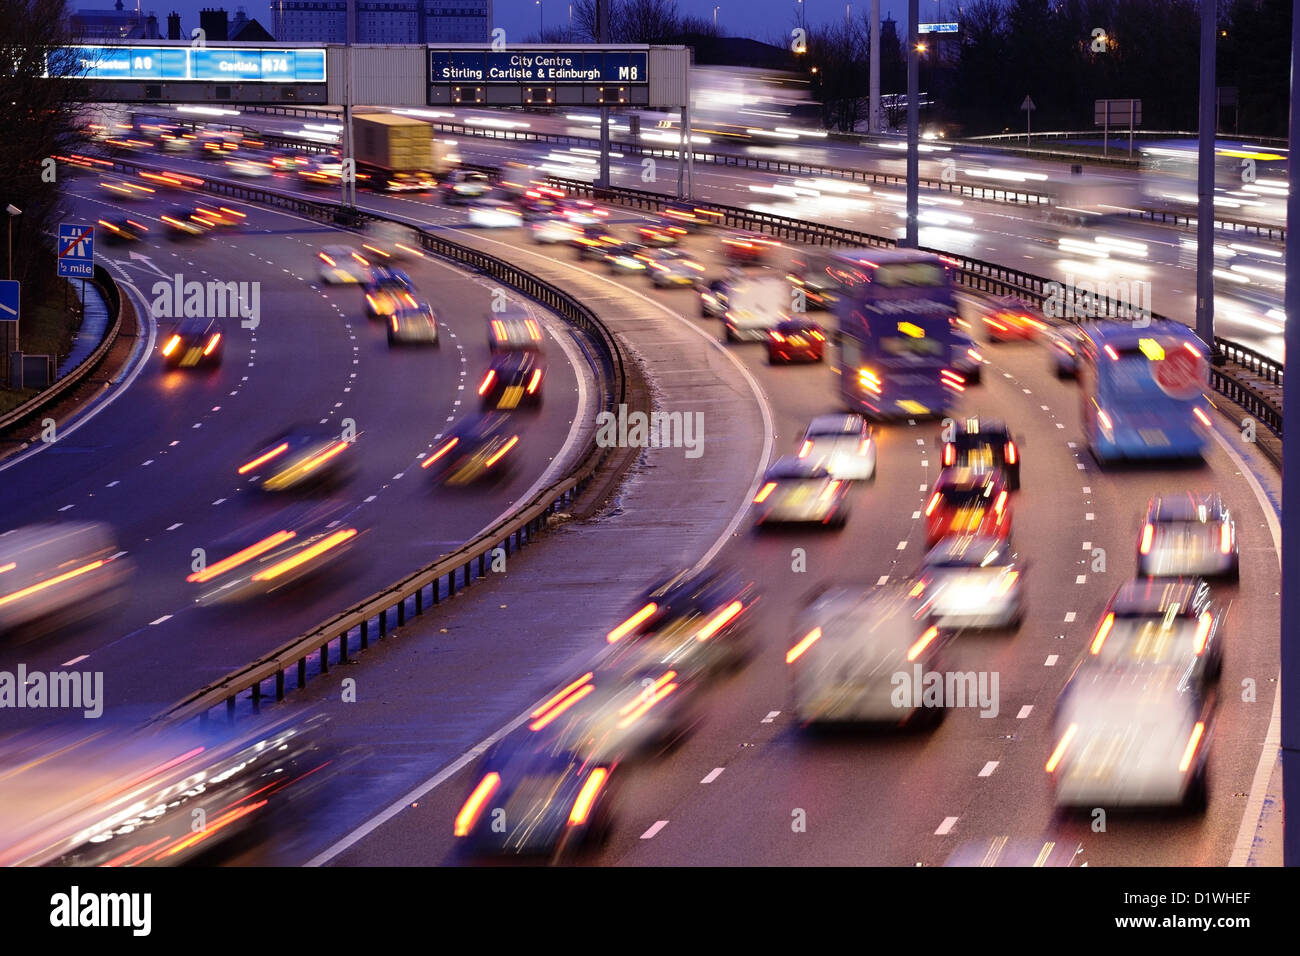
{"x":13,"y":211}
{"x":715,"y":18}
{"x":540,"y":8}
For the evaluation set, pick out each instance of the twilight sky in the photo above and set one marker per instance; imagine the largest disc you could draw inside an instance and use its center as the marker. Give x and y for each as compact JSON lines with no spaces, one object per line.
{"x":761,"y":19}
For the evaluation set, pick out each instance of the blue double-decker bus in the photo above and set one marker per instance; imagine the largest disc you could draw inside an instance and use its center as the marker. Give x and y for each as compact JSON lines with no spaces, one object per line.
{"x":1143,"y":390}
{"x":895,"y":311}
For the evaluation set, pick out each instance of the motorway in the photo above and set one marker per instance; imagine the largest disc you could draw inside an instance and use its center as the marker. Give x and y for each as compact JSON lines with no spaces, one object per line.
{"x":886,"y":800}
{"x":159,"y":463}
{"x":730,"y":793}
{"x":1123,"y":251}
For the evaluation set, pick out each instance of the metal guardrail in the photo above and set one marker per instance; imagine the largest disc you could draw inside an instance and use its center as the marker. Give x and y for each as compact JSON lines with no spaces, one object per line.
{"x":981,"y":276}
{"x":430,"y":585}
{"x":38,"y":403}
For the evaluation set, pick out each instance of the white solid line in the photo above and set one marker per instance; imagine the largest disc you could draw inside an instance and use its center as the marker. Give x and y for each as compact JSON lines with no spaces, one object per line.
{"x":946,"y":826}
{"x":1025,"y":711}
{"x":1051,"y":661}
{"x":713,"y":775}
{"x":1069,"y":617}
{"x":650,"y":834}
{"x":165,"y":617}
{"x":989,"y":768}
{"x":75,"y":660}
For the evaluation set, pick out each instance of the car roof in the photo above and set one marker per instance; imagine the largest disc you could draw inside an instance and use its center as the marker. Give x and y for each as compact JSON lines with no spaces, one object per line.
{"x":976,"y":550}
{"x":979,"y":425}
{"x":837,"y":424}
{"x":955,"y":478}
{"x":848,"y":614}
{"x":1153,"y":596}
{"x":792,"y":467}
{"x":197,"y":325}
{"x":1187,"y":507}
{"x":508,"y":362}
{"x":796,"y":322}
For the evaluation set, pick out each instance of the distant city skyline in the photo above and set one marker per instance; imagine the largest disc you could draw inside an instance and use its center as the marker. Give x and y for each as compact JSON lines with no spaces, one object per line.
{"x":760,"y":19}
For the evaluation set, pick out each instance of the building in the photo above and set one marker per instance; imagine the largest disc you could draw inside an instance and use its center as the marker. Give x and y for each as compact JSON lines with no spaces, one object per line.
{"x":383,"y":21}
{"x":115,"y":24}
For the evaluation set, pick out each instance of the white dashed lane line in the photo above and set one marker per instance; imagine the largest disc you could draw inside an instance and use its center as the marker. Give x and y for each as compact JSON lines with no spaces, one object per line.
{"x":165,"y":617}
{"x":1025,"y":711}
{"x":650,"y":834}
{"x":1051,"y":660}
{"x":713,"y":775}
{"x":771,"y":716}
{"x":988,"y":769}
{"x":946,"y":827}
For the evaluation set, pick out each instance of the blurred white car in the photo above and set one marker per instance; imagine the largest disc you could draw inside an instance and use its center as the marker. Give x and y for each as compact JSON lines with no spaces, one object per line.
{"x":1188,"y":534}
{"x":973,"y":581}
{"x":554,"y":229}
{"x":1131,"y":738}
{"x":494,"y":214}
{"x":853,"y":645}
{"x":841,"y":444}
{"x":58,"y":574}
{"x":342,"y":265}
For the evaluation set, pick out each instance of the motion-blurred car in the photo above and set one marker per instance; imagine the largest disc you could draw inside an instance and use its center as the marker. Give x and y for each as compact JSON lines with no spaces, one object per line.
{"x":669,"y":268}
{"x":582,"y":212}
{"x":384,"y":290}
{"x":748,"y":248}
{"x":125,"y":796}
{"x":1007,"y":851}
{"x":272,"y":553}
{"x":972,"y":581}
{"x":616,"y":714}
{"x":343,"y":265}
{"x":478,"y":448}
{"x":984,"y":444}
{"x":967,"y":360}
{"x":660,"y":233}
{"x":538,"y":202}
{"x":122,"y":230}
{"x":220,"y":215}
{"x":299,"y":457}
{"x":52,"y":575}
{"x":413,"y":322}
{"x":626,"y":258}
{"x":795,"y":339}
{"x":463,"y":185}
{"x":195,"y":341}
{"x":801,"y":490}
{"x":1063,"y":345}
{"x":1188,"y":534}
{"x":390,"y":242}
{"x":1009,"y":318}
{"x":250,"y":167}
{"x":1131,"y":738}
{"x":689,"y":216}
{"x":534,"y":799}
{"x":514,"y":329}
{"x":553,"y":229}
{"x":170,"y":180}
{"x":594,"y":241}
{"x":713,"y":298}
{"x":182,"y":223}
{"x":860,"y":657}
{"x":513,"y":379}
{"x":494,"y":214}
{"x":967,"y":501}
{"x":320,"y":172}
{"x":121,"y":188}
{"x":842,"y":444}
{"x":1153,"y":623}
{"x":696,"y":622}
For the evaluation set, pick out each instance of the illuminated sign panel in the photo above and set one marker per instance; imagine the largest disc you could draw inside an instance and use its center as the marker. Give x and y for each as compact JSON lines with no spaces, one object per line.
{"x":522,"y":67}
{"x":204,"y":64}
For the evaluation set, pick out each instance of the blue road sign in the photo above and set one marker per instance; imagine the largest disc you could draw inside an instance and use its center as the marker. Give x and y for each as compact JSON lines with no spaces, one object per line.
{"x":936,"y":27}
{"x":10,"y":294}
{"x":76,"y":251}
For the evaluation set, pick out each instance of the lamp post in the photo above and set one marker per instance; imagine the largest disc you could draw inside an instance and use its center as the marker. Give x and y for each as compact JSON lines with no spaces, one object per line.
{"x":715,"y":18}
{"x":13,"y":211}
{"x":540,"y":8}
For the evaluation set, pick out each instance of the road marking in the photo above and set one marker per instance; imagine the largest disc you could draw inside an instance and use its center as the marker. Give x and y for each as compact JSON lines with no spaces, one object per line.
{"x":1088,"y":516}
{"x":1081,"y":579}
{"x":1043,"y":407}
{"x":75,"y":660}
{"x":144,"y":464}
{"x":924,"y":487}
{"x":174,"y":526}
{"x":771,"y":716}
{"x":1079,"y":466}
{"x":112,"y":484}
{"x":1087,"y":489}
{"x":1025,"y":711}
{"x":946,"y":827}
{"x":370,"y":499}
{"x":920,"y":441}
{"x":1069,"y":617}
{"x":1087,"y":546}
{"x":398,"y":475}
{"x":66,"y":507}
{"x":915,"y":515}
{"x":713,"y":775}
{"x":1051,"y":661}
{"x":902,"y":545}
{"x":175,"y":443}
{"x":989,"y":768}
{"x":218,"y":501}
{"x":650,"y":834}
{"x":165,"y":617}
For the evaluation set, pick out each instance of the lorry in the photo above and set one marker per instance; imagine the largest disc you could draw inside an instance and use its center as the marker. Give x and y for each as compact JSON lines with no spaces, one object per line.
{"x":398,"y":153}
{"x":1089,"y":199}
{"x":755,"y":307}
